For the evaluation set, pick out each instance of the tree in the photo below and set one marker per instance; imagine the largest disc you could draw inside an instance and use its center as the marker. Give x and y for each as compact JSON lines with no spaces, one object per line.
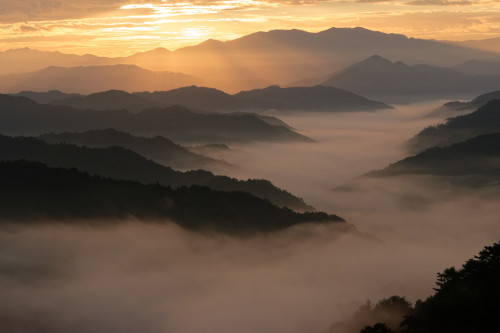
{"x":466,"y":300}
{"x":377,"y":328}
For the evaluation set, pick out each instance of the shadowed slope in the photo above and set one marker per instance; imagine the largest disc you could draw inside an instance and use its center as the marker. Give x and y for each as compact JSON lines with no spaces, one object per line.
{"x":22,"y":116}
{"x":31,"y":192}
{"x":484,"y":120}
{"x":158,"y":148}
{"x":476,"y":156}
{"x":120,"y":163}
{"x":377,"y":77}
{"x":95,"y":78}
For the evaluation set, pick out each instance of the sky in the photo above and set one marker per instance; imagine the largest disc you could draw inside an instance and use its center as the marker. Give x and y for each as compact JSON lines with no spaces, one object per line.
{"x":124,"y":27}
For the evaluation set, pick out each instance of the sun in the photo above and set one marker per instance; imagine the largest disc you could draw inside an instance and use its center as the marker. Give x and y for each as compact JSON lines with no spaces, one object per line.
{"x":194,"y":33}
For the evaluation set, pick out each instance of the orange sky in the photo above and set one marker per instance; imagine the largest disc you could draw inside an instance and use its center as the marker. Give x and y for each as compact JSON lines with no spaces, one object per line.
{"x":123,"y":27}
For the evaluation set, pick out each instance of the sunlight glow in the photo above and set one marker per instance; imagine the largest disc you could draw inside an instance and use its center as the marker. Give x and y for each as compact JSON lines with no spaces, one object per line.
{"x":104,"y":27}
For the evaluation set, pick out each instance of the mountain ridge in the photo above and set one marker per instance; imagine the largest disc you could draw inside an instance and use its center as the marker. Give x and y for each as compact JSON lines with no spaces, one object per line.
{"x":379,"y":78}
{"x":90,"y":79}
{"x":279,"y":56}
{"x":22,"y":116}
{"x":485,"y":120}
{"x":123,"y":164}
{"x":158,"y":148}
{"x":31,"y":192}
{"x":317,"y":98}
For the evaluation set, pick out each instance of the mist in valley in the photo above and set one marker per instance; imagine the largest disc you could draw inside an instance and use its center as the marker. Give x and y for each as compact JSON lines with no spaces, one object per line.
{"x":326,"y":174}
{"x":138,"y":277}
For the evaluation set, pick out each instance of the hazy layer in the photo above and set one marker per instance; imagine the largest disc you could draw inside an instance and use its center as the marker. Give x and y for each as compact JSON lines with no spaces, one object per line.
{"x":152,"y":278}
{"x":348,"y":145}
{"x":146,"y":278}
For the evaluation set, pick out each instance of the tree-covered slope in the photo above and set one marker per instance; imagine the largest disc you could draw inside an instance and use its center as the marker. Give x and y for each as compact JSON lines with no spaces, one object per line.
{"x":465,"y":300}
{"x":484,"y":120}
{"x":32,"y":192}
{"x":476,"y":156}
{"x":158,"y":148}
{"x":124,"y":164}
{"x":22,"y":116}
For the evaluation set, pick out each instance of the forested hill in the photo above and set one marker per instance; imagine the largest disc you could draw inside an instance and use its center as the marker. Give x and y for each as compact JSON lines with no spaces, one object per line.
{"x":22,"y":116}
{"x":465,"y":300}
{"x":476,"y":156}
{"x":31,"y":192}
{"x":158,"y":148}
{"x":120,"y":163}
{"x":484,"y":120}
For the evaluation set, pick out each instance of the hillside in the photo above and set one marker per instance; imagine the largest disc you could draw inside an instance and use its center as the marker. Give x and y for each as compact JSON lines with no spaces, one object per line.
{"x":464,"y":300}
{"x":107,"y":100}
{"x":31,"y":192}
{"x":317,"y":98}
{"x":476,"y":156}
{"x":91,"y":79}
{"x":204,"y":98}
{"x":22,"y":116}
{"x":379,"y":78}
{"x":159,"y":149}
{"x":472,"y":104}
{"x":45,"y":97}
{"x":478,"y":67}
{"x":120,"y":163}
{"x":484,"y":120}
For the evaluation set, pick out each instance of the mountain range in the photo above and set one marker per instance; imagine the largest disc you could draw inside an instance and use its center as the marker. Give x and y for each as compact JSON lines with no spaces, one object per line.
{"x":92,"y":79}
{"x":485,"y":120}
{"x":472,"y":104}
{"x":396,"y":82}
{"x":478,"y":156}
{"x":158,"y":148}
{"x":478,"y":67}
{"x":265,"y":58}
{"x":22,"y":116}
{"x":123,"y":164}
{"x":317,"y":98}
{"x":31,"y":192}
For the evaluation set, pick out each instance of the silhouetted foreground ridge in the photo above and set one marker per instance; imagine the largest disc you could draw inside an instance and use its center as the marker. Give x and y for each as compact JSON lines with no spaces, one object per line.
{"x":465,"y":300}
{"x":31,"y":192}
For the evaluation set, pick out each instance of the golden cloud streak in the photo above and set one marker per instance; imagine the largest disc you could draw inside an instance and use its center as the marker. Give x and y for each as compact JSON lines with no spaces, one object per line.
{"x":158,"y":23}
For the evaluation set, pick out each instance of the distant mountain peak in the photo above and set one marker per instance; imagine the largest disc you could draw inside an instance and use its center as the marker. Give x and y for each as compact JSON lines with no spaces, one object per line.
{"x":273,"y":87}
{"x":377,"y":59}
{"x":112,"y":92}
{"x":156,"y":51}
{"x":212,"y":42}
{"x":161,"y":49}
{"x":21,"y":49}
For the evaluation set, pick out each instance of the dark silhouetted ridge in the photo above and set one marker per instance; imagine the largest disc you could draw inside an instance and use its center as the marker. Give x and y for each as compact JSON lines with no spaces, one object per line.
{"x":317,"y":98}
{"x":32,"y":192}
{"x":21,"y":116}
{"x":123,"y":164}
{"x":484,"y":120}
{"x":476,"y":156}
{"x":159,"y":149}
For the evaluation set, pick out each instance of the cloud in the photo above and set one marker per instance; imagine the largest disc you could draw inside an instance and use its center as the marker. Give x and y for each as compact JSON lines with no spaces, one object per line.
{"x":21,"y":10}
{"x":27,"y":10}
{"x":103,"y":26}
{"x":444,"y":3}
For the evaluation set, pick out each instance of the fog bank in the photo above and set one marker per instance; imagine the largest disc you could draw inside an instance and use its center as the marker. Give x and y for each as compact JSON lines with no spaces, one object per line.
{"x":158,"y":278}
{"x":136,"y":277}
